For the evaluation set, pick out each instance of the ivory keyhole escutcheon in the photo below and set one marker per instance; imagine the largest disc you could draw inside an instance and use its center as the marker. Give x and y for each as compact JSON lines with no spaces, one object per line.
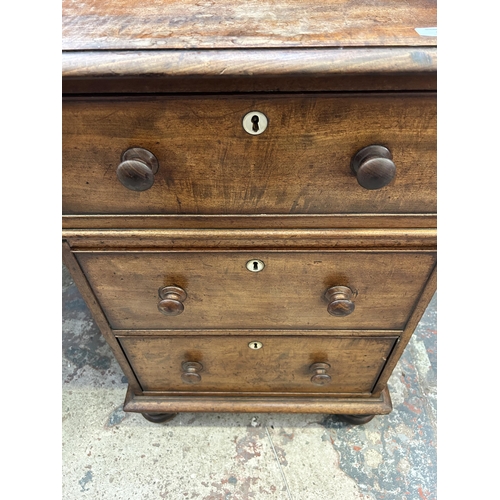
{"x":255,"y":344}
{"x":255,"y":265}
{"x":255,"y":122}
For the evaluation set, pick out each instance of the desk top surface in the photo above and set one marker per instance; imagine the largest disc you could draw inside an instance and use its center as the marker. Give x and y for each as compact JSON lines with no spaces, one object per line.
{"x":92,"y":25}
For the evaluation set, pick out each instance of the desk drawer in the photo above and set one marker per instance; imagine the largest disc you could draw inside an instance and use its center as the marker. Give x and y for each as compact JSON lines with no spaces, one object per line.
{"x":282,"y":363}
{"x":208,"y":164}
{"x":290,"y":291}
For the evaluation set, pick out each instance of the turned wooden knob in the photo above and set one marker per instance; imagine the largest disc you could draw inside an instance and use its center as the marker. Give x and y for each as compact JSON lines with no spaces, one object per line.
{"x":320,"y":376}
{"x":340,"y":300}
{"x":191,"y":371}
{"x":137,"y":168}
{"x":373,"y":167}
{"x":172,"y":300}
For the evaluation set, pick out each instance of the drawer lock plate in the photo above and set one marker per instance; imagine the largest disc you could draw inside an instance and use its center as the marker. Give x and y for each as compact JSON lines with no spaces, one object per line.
{"x":255,"y":265}
{"x":255,"y":122}
{"x":255,"y":344}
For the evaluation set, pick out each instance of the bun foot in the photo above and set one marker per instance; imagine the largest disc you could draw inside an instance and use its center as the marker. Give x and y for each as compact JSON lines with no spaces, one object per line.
{"x":356,"y":419}
{"x":158,"y":418}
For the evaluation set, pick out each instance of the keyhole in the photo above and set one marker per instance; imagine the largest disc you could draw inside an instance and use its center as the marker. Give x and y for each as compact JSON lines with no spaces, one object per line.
{"x":255,"y":121}
{"x":255,"y":345}
{"x":255,"y":265}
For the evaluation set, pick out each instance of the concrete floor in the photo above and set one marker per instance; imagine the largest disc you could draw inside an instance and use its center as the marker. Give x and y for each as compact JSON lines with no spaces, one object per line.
{"x":109,"y":454}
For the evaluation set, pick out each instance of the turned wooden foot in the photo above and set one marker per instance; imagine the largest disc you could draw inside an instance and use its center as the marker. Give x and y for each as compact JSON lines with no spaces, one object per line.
{"x":158,"y":418}
{"x":356,"y":419}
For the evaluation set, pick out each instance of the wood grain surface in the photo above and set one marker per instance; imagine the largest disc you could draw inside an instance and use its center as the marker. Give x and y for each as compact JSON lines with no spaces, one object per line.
{"x":257,"y":64}
{"x":209,"y":165}
{"x":281,"y":365}
{"x":245,"y":239}
{"x":223,"y":24}
{"x":355,"y":404}
{"x":258,"y":221}
{"x":236,"y":332}
{"x":287,"y":293}
{"x":250,"y":70}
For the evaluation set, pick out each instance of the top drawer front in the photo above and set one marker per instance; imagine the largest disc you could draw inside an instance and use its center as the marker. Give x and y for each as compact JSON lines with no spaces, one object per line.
{"x":208,"y":164}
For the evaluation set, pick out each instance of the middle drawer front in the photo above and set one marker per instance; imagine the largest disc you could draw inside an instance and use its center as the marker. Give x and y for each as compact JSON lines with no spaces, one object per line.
{"x":289,"y":292}
{"x":339,"y":364}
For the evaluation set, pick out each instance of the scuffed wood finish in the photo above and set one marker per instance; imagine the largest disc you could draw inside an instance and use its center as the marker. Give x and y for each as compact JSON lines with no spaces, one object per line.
{"x":260,"y":221}
{"x":242,"y":239}
{"x":282,"y":365}
{"x":378,"y":405}
{"x":270,"y":70}
{"x":289,"y":291}
{"x":228,"y":24}
{"x":209,"y":165}
{"x":256,"y":64}
{"x":255,"y":333}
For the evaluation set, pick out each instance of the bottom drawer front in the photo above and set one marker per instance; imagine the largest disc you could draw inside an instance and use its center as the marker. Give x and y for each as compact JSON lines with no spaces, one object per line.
{"x":288,"y":364}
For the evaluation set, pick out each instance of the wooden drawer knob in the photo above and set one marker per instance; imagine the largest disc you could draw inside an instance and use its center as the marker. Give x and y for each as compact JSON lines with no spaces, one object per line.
{"x":320,"y":376}
{"x":137,"y":168}
{"x":340,"y":300}
{"x":172,"y":300}
{"x":191,"y":371}
{"x":373,"y":167}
